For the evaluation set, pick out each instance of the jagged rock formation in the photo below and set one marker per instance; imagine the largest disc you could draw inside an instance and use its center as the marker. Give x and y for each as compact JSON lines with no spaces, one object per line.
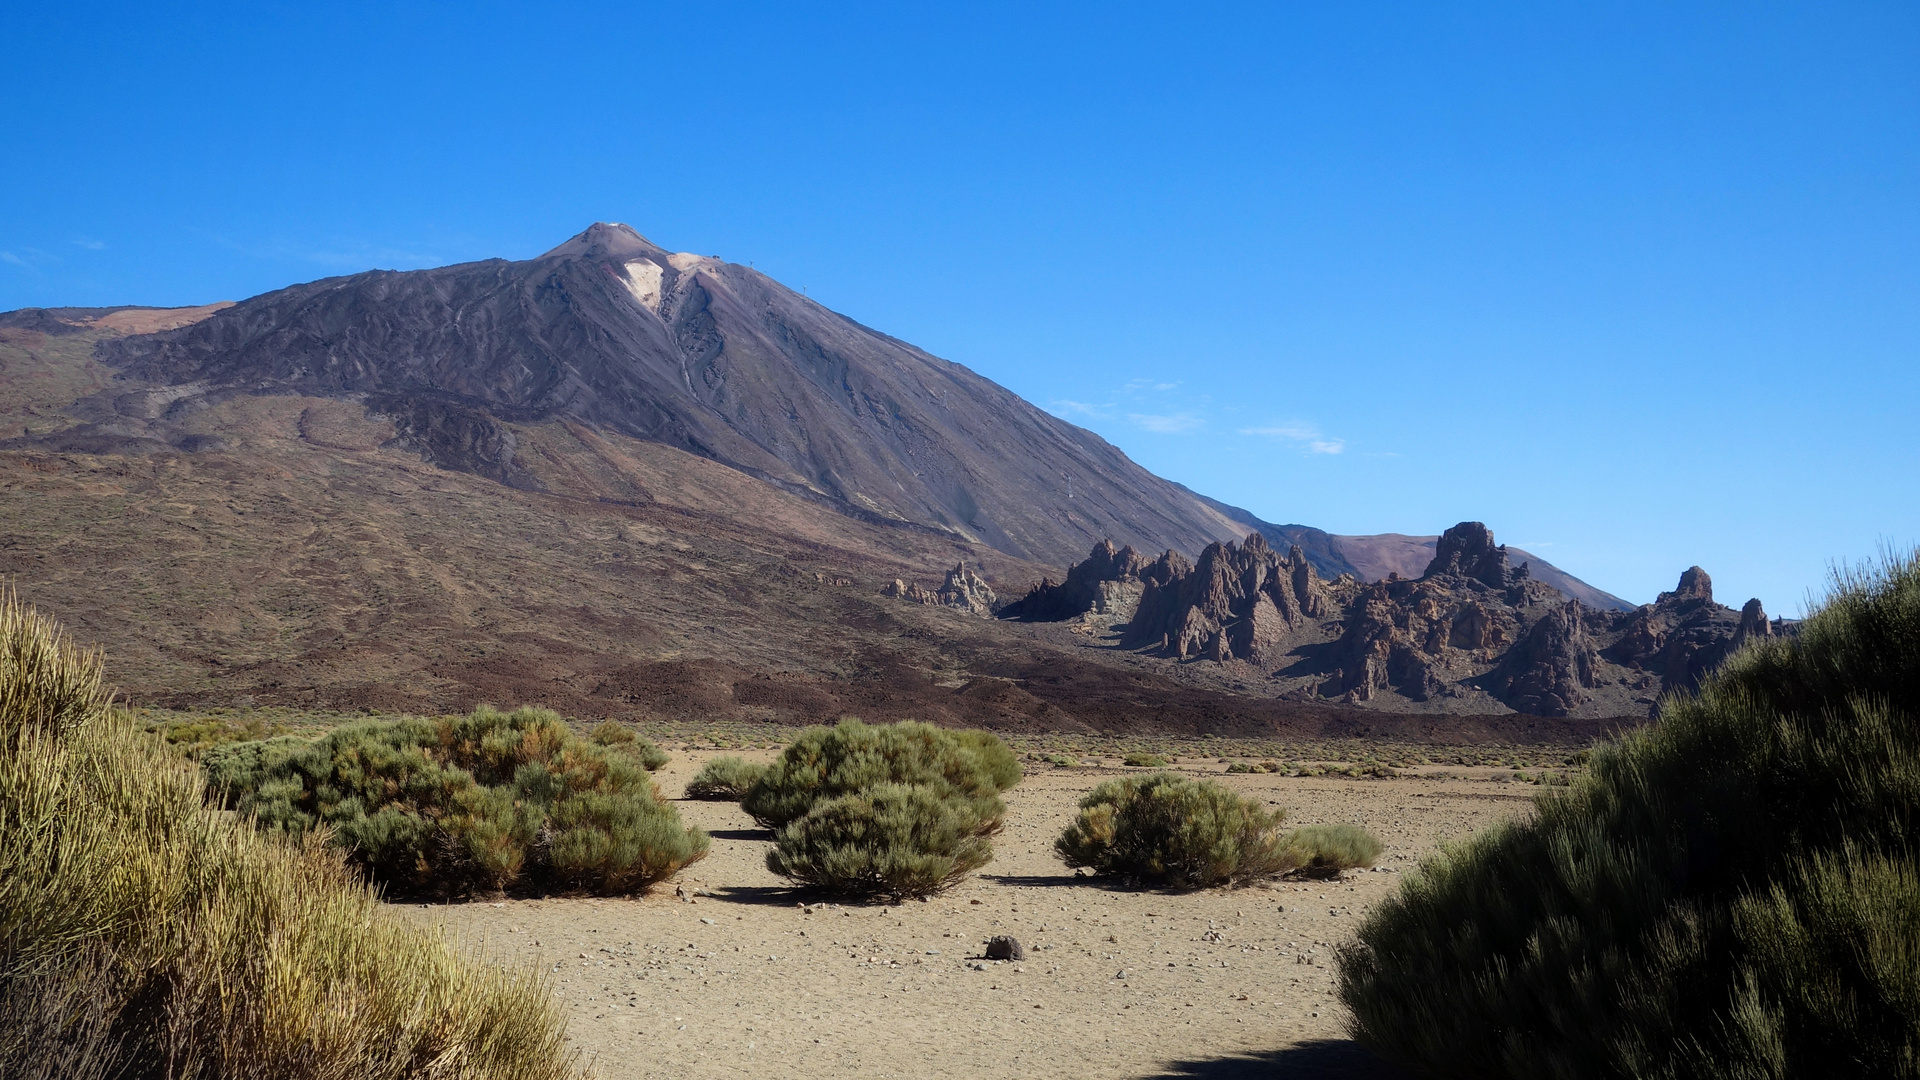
{"x":1550,"y":671}
{"x":1684,"y":634}
{"x":1238,"y":601}
{"x":963,"y":589}
{"x":1473,"y":631}
{"x":1107,"y":582}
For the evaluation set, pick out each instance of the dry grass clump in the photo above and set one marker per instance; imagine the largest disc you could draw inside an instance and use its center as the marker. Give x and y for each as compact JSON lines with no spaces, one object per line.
{"x":1141,"y":759}
{"x":725,"y":779}
{"x":1326,"y":851}
{"x":1731,"y":892}
{"x":144,"y":934}
{"x":890,"y":810}
{"x":487,"y":802}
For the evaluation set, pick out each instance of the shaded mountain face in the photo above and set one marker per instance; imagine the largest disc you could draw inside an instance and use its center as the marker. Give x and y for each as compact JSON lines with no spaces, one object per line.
{"x":1473,"y":632}
{"x":610,"y":331}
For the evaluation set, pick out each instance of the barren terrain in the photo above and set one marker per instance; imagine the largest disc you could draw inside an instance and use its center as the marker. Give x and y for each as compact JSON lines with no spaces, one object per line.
{"x":743,"y":978}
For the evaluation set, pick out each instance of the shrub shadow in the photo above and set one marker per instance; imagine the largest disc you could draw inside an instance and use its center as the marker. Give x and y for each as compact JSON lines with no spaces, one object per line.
{"x":1318,"y":1059}
{"x":741,"y":834}
{"x":1039,"y":879}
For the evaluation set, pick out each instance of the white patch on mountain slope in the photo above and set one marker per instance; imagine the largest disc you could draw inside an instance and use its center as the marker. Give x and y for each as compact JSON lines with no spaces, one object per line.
{"x":643,"y":281}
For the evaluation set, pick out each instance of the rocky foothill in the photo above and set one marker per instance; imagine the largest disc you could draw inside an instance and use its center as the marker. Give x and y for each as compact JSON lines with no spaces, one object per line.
{"x":1473,"y":633}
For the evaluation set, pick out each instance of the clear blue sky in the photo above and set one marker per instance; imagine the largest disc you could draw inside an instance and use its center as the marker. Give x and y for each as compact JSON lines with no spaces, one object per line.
{"x":1633,"y":283}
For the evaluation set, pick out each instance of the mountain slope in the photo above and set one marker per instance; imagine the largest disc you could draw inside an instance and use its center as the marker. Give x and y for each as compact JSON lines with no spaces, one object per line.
{"x":699,"y":354}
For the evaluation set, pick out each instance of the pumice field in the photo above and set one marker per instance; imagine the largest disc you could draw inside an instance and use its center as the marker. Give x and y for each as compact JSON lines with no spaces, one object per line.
{"x":732,"y":974}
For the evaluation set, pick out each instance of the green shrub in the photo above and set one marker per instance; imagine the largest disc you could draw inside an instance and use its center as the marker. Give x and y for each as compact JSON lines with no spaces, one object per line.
{"x":1327,"y":850}
{"x":897,"y":809}
{"x":825,"y":763}
{"x":1140,"y":759}
{"x":897,"y":841}
{"x":1729,"y":892}
{"x":725,"y":779}
{"x":490,"y":801}
{"x":1173,"y":831}
{"x":636,"y":746}
{"x":144,"y":933}
{"x":1242,"y":767}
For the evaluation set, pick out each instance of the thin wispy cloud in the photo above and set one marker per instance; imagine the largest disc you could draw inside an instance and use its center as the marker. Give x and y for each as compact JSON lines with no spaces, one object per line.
{"x":1135,"y":386}
{"x":1167,"y":424}
{"x":91,"y":245}
{"x":1065,"y":407}
{"x":15,"y":260}
{"x":342,"y":255}
{"x":1306,"y":436}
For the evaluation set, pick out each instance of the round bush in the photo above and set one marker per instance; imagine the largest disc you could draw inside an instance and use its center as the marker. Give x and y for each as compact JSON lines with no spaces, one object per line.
{"x":1178,"y":832}
{"x":897,"y":841}
{"x":725,"y":779}
{"x":826,"y":763}
{"x":1140,"y":759}
{"x":487,"y":802}
{"x":1729,"y":892}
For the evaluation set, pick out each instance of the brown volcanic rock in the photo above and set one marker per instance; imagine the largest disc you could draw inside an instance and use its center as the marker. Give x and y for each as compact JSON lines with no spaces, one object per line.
{"x":963,"y":589}
{"x":1550,"y":670}
{"x":1239,"y":601}
{"x":1473,"y":632}
{"x":612,"y":332}
{"x":1684,"y":634}
{"x":1108,"y":581}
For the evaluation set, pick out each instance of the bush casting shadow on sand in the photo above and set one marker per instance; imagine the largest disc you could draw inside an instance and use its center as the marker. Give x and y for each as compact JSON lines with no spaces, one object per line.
{"x":1731,"y":892}
{"x":1320,"y":1059}
{"x":489,"y":802}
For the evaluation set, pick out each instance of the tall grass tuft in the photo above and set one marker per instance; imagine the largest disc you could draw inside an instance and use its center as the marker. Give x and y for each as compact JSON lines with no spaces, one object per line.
{"x":1731,"y":892}
{"x":47,"y":683}
{"x":488,"y":802}
{"x":144,"y":934}
{"x":725,"y":779}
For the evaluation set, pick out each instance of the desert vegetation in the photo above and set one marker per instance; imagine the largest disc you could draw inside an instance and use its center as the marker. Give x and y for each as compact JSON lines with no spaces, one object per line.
{"x":1731,"y":892}
{"x":1184,"y":833}
{"x":143,"y":933}
{"x":725,"y":779}
{"x":889,"y":810}
{"x":489,"y":802}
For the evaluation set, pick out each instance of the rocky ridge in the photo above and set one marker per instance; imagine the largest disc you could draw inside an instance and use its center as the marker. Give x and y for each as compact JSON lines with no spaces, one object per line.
{"x":1473,"y":631}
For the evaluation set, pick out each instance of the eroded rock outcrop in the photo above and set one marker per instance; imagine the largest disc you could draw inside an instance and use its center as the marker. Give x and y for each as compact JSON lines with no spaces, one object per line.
{"x":963,"y":589}
{"x":1108,"y":581}
{"x":1552,"y":669}
{"x":1473,"y":629}
{"x":1238,"y":602}
{"x":1684,"y":634}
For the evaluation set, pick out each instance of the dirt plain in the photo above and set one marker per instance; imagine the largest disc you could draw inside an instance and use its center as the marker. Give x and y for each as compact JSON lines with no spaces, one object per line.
{"x":743,"y":977}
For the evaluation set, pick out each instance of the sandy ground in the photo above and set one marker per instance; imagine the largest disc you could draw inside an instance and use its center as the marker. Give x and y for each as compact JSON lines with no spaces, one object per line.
{"x":738,"y":979}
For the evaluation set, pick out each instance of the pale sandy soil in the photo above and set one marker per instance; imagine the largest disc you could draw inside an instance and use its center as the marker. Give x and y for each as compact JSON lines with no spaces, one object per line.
{"x":737,"y":980}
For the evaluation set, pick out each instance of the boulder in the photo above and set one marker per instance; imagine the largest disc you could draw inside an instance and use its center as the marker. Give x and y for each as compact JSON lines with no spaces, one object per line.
{"x":1002,"y":947}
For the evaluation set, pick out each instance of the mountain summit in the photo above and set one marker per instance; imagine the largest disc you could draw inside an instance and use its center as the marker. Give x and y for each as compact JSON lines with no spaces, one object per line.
{"x":613,"y":331}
